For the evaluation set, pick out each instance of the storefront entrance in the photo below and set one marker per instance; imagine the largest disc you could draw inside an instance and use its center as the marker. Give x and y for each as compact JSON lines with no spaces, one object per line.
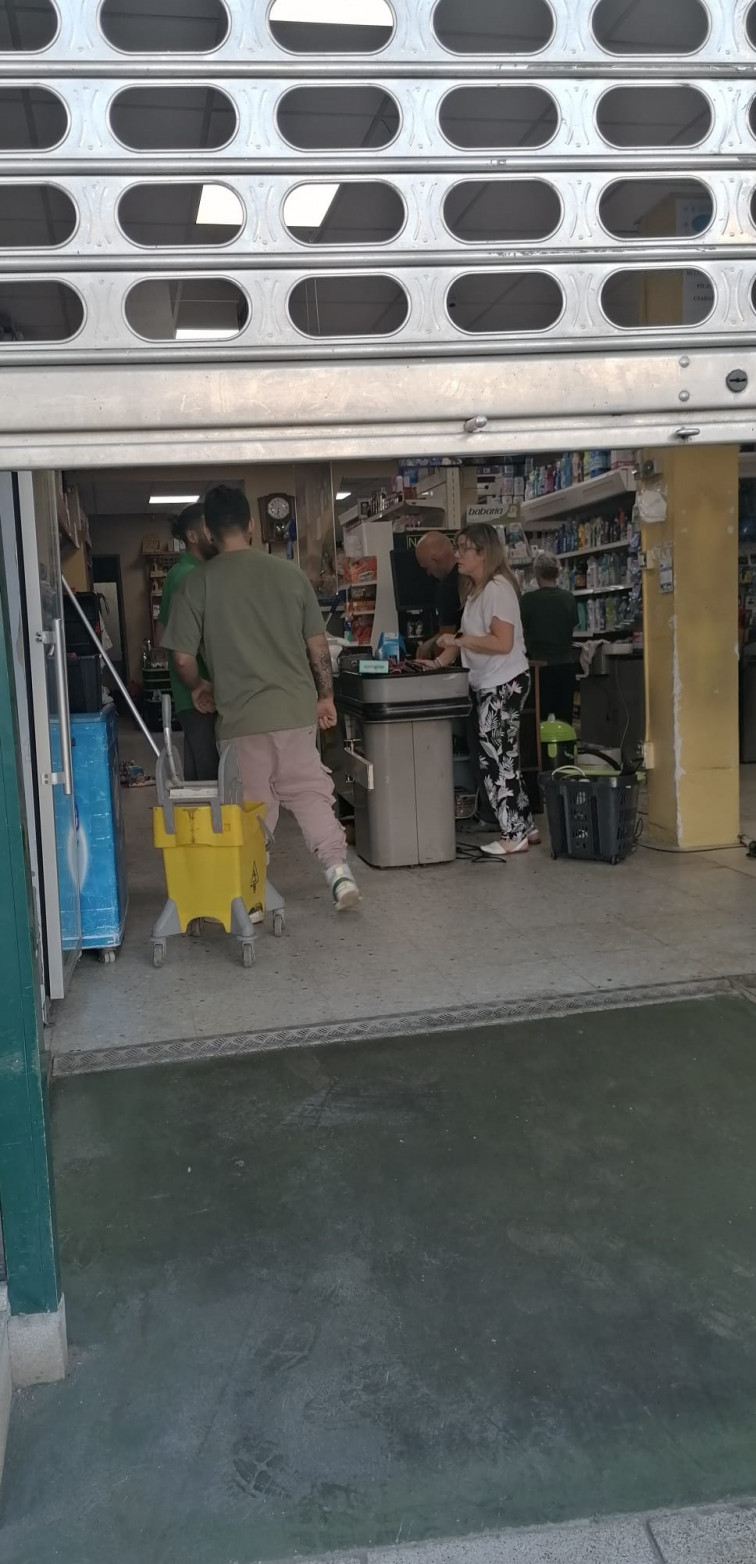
{"x":434,"y":939}
{"x":303,"y":237}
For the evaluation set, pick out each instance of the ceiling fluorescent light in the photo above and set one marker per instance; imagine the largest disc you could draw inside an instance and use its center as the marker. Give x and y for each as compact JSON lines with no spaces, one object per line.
{"x":309,"y":205}
{"x":173,"y":499}
{"x":220,"y":206}
{"x":344,"y":494}
{"x":334,"y":13}
{"x":205,"y":333}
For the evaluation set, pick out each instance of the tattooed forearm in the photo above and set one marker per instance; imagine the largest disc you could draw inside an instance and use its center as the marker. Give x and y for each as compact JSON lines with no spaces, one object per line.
{"x":320,"y":662}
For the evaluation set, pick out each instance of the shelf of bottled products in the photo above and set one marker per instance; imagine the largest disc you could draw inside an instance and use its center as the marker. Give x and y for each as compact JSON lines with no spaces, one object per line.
{"x":596,"y":548}
{"x":577,"y":497}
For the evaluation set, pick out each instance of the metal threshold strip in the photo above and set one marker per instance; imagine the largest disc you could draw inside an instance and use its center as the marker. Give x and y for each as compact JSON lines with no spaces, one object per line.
{"x":363,"y":1030}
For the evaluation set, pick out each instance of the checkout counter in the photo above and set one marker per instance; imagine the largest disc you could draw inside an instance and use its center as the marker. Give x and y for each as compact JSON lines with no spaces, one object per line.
{"x":393,"y":760}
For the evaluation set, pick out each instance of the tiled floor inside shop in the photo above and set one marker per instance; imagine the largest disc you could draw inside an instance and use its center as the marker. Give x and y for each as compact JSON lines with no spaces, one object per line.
{"x":424,"y":939}
{"x":426,"y":1287}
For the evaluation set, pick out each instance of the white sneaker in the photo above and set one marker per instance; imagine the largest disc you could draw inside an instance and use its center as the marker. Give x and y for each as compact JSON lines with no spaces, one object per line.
{"x":343,"y":887}
{"x":505,"y":849}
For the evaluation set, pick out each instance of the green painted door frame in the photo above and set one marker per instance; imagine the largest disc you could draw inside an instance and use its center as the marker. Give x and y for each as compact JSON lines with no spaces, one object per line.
{"x":27,"y":1208}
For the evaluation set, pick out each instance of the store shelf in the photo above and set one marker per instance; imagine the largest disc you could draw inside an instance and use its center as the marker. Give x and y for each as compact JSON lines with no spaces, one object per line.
{"x":402,"y":508}
{"x":361,"y":613}
{"x":601,"y":635}
{"x":620,"y":586}
{"x":580,"y":496}
{"x":600,"y":548}
{"x":355,"y":586}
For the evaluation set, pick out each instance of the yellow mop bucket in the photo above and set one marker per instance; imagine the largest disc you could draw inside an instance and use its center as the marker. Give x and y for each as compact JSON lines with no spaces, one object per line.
{"x":214,"y":853}
{"x":208,"y":871}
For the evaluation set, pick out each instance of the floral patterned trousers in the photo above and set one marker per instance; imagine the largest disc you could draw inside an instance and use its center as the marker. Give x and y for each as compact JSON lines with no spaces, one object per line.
{"x":499,"y":751}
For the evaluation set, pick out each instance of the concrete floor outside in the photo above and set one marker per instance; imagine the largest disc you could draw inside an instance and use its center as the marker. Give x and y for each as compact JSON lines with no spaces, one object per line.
{"x":424,"y":1288}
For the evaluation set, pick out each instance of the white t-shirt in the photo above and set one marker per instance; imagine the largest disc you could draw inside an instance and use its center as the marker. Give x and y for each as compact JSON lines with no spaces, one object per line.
{"x":488,"y":670}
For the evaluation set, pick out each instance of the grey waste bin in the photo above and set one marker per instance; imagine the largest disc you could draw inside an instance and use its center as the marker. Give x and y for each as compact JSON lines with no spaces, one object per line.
{"x":401,"y":726}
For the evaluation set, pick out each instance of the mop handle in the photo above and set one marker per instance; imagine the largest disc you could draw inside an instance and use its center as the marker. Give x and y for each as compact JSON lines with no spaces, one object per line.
{"x":167,"y":713}
{"x":114,"y":671}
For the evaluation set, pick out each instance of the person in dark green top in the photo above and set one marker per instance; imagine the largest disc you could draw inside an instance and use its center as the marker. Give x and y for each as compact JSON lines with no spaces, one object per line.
{"x":200,"y":747}
{"x":549,"y":616}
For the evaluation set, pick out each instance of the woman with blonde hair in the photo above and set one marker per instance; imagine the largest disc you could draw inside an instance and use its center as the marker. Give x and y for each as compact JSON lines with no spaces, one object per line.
{"x":492,"y":648}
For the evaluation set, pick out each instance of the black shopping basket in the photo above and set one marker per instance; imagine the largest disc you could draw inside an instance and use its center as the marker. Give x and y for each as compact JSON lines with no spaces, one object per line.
{"x":591,"y":816}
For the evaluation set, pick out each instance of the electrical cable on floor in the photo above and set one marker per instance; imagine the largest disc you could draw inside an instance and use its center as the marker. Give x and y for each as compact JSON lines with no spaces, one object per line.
{"x":659,"y":847}
{"x":469,"y":853}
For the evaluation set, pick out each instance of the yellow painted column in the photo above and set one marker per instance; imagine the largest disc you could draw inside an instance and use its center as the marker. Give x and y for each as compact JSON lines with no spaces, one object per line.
{"x":691,"y":650}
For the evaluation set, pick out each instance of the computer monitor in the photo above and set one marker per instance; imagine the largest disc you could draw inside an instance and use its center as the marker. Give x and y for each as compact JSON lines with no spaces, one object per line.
{"x":413,"y":587}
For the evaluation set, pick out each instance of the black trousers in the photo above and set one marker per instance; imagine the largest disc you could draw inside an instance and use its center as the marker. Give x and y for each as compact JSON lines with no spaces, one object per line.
{"x":499,"y":712}
{"x":200,"y":748}
{"x":557,"y":689}
{"x":484,"y":811}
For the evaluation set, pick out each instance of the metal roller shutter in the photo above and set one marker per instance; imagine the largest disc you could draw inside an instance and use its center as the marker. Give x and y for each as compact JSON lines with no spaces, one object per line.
{"x":269,"y":223}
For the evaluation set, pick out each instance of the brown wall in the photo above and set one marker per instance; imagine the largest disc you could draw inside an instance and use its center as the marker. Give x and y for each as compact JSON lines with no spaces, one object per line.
{"x":314,"y":518}
{"x":123,"y":535}
{"x":75,"y":568}
{"x":276,"y":479}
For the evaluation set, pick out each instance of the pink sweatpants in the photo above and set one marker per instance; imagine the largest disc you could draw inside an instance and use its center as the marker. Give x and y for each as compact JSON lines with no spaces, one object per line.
{"x":284,"y":770}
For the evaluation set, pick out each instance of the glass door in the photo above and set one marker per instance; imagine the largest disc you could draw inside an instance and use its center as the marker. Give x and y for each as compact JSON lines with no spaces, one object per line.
{"x":51,"y":727}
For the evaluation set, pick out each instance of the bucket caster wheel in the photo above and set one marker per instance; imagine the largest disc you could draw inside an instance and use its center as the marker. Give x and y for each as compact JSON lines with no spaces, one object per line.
{"x":158,"y":953}
{"x":194,"y":929}
{"x":279,"y":925}
{"x":106,"y":958}
{"x":248,"y":954}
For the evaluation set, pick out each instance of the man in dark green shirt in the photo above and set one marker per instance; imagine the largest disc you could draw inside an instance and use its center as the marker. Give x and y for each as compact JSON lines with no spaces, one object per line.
{"x":435,"y":555}
{"x":269,"y":677}
{"x":200,"y":746}
{"x":549,"y":616}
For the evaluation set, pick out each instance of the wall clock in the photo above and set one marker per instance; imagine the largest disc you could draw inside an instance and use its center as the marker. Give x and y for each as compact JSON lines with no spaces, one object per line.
{"x":277,"y":518}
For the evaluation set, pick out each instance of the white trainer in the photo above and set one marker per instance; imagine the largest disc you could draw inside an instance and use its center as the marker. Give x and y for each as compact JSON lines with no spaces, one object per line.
{"x":505,"y":849}
{"x":343,"y":887}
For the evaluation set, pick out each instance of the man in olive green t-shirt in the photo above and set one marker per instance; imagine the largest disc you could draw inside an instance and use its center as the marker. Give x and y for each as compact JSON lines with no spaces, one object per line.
{"x":200,"y":746}
{"x":261,"y":631}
